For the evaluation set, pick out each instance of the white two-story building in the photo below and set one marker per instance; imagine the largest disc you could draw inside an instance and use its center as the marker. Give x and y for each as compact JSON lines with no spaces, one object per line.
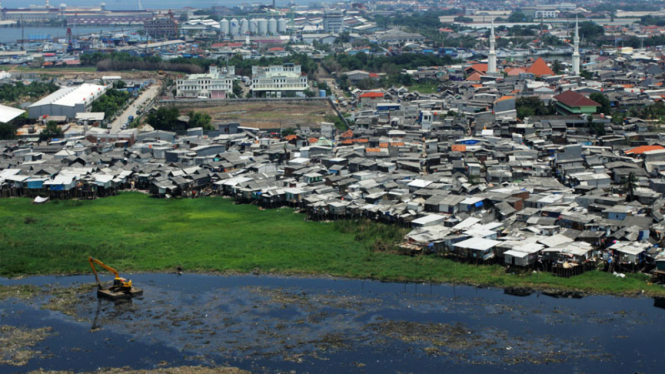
{"x":216,"y":84}
{"x":278,"y":80}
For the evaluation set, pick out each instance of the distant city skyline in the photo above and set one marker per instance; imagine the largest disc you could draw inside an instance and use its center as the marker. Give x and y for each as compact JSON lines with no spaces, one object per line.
{"x":150,"y":4}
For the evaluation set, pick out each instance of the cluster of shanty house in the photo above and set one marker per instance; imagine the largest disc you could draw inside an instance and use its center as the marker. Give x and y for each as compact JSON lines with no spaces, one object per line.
{"x":525,"y":201}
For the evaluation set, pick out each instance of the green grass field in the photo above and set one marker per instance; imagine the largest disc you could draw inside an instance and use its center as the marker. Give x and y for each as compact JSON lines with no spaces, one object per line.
{"x":133,"y":232}
{"x":423,"y":88}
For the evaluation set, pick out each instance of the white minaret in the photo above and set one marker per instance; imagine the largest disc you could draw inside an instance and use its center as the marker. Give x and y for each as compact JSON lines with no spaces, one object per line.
{"x":491,"y":60}
{"x":576,"y":51}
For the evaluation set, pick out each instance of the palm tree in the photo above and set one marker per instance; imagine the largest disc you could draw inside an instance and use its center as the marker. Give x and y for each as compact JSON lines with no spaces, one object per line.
{"x":631,"y":184}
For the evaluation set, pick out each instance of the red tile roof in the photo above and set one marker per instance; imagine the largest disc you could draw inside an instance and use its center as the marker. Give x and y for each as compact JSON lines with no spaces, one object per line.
{"x":504,"y":98}
{"x":574,"y":99}
{"x":228,"y":44}
{"x":539,"y":68}
{"x":474,"y":77}
{"x":644,"y":148}
{"x":372,"y":94}
{"x":347,"y":134}
{"x":515,"y":71}
{"x":478,"y":67}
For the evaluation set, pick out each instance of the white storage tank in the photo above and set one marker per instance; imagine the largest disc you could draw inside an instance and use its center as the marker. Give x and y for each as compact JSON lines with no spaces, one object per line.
{"x":272,"y":26}
{"x":224,"y":26}
{"x":263,"y":26}
{"x":234,"y":27}
{"x":253,"y":27}
{"x":244,"y":26}
{"x":281,"y":26}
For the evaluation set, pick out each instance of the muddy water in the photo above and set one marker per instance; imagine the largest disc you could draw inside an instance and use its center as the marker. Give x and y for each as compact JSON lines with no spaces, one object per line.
{"x":278,"y":324}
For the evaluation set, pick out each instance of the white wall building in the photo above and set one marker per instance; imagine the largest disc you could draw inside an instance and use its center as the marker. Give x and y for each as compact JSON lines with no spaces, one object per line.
{"x":333,"y":21}
{"x":546,"y":14}
{"x":278,"y":79}
{"x":216,"y":84}
{"x":67,"y":101}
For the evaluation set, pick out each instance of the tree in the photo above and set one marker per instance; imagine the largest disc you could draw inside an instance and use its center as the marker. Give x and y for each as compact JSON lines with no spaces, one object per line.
{"x":557,"y":67}
{"x":463,"y":19}
{"x":7,"y":131}
{"x":595,"y":127}
{"x":308,"y":93}
{"x":518,"y":16}
{"x":164,"y":118}
{"x":237,"y":89}
{"x":603,"y":101}
{"x":288,"y":131}
{"x":591,"y":31}
{"x":199,"y":119}
{"x":120,"y":84}
{"x":631,"y":185}
{"x":52,"y":131}
{"x":110,"y":102}
{"x":343,"y":37}
{"x":531,"y":106}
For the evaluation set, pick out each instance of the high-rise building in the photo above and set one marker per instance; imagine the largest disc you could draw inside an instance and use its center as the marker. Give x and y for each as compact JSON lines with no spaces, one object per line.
{"x":333,"y":21}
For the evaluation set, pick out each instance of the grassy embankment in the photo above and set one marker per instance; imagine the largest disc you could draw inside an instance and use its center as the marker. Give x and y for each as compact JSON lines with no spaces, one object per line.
{"x":133,"y":232}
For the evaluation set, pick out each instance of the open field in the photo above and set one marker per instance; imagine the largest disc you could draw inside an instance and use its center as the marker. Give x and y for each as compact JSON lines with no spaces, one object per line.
{"x":423,"y":88}
{"x":81,"y":72}
{"x":267,"y":115}
{"x":133,"y":232}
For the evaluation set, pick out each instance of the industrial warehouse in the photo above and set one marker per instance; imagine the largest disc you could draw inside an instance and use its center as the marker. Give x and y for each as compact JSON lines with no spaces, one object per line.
{"x":67,"y":101}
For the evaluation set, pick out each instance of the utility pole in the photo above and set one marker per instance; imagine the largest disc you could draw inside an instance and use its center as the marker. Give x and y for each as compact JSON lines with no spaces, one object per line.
{"x":22,"y":35}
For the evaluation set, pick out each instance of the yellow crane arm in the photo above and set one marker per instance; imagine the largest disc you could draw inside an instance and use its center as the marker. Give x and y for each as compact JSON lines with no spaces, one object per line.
{"x":94,"y":261}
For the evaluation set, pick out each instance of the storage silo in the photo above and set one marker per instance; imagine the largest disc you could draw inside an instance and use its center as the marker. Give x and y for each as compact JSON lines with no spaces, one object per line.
{"x":272,"y":26}
{"x":263,"y":26}
{"x":253,"y":27}
{"x":234,"y":27}
{"x":244,"y":26}
{"x":281,"y":26}
{"x":224,"y":26}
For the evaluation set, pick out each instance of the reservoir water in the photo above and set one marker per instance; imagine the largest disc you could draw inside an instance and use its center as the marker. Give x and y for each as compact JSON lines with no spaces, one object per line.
{"x":271,"y":324}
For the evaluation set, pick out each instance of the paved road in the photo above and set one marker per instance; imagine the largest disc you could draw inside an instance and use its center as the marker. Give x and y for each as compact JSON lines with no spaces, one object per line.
{"x":145,"y":98}
{"x":339,"y":95}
